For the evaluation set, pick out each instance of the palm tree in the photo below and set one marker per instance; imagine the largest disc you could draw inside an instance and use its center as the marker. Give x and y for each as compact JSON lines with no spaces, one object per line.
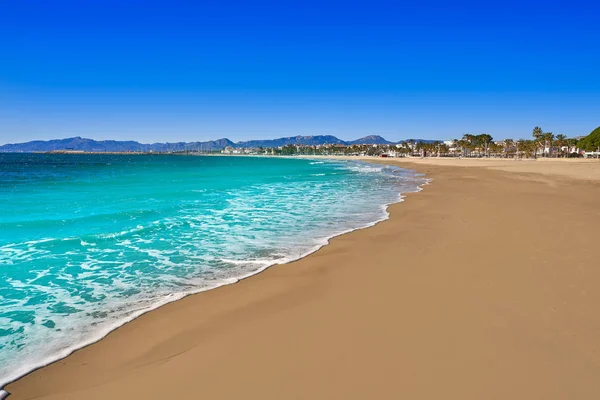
{"x":444,"y":149}
{"x":537,"y":133}
{"x":548,"y":138}
{"x":454,"y":146}
{"x":571,"y":144}
{"x":411,"y":146}
{"x":495,"y":149}
{"x":561,"y":141}
{"x":531,"y":148}
{"x":528,"y":147}
{"x":484,"y":140}
{"x":508,"y":144}
{"x":468,"y":143}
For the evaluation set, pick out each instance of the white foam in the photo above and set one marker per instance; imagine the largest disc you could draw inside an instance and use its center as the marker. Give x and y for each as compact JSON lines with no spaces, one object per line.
{"x":364,"y":168}
{"x":202,"y":284}
{"x":122,"y":233}
{"x":248,"y":262}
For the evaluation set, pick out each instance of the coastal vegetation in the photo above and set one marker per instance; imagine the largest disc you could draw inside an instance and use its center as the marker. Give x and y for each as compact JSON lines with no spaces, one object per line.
{"x":541,"y":144}
{"x":591,"y":142}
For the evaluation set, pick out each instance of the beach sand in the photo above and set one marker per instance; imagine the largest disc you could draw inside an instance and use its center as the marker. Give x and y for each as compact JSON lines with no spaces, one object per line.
{"x":485,"y":285}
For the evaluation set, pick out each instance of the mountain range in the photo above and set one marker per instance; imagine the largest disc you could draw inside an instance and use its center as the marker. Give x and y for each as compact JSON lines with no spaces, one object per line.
{"x":91,"y":145}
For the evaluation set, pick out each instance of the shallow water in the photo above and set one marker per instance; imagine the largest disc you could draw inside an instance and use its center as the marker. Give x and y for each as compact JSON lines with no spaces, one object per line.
{"x":88,"y":242}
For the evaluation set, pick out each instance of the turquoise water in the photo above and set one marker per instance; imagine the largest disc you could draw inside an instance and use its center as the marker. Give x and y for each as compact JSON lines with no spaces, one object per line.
{"x":88,"y":242}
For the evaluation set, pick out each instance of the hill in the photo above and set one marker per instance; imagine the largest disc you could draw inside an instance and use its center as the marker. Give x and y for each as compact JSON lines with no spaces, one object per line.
{"x":297,"y":140}
{"x":91,"y":145}
{"x":76,"y":143}
{"x":428,"y":141}
{"x":591,"y":142}
{"x":371,"y":139}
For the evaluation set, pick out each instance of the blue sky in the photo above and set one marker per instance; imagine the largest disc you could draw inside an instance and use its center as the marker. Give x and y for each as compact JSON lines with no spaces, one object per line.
{"x":169,"y":71}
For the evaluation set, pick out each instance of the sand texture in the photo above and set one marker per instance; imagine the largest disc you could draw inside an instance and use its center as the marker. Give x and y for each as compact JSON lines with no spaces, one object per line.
{"x":485,"y":285}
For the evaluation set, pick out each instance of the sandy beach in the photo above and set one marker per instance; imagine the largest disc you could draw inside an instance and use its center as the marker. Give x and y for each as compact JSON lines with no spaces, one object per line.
{"x":482,"y":286}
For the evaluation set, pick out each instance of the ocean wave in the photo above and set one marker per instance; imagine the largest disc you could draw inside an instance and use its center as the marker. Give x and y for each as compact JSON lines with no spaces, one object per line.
{"x":214,"y":238}
{"x":366,"y":169}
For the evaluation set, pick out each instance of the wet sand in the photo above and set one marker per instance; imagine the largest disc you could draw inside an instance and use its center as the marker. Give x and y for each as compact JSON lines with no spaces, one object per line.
{"x":485,"y":285}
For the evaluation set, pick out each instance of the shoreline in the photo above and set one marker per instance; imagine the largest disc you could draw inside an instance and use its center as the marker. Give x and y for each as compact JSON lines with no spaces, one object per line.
{"x":174,"y":297}
{"x":40,"y":382}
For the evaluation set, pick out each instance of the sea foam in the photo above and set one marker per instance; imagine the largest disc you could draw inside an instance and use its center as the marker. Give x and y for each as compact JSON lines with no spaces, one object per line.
{"x":151,"y":230}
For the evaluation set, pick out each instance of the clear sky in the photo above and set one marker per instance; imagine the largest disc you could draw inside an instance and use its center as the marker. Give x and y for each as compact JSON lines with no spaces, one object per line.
{"x":169,"y":71}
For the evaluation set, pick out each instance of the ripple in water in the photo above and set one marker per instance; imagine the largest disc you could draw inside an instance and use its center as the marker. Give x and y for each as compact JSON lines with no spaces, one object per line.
{"x":88,"y":242}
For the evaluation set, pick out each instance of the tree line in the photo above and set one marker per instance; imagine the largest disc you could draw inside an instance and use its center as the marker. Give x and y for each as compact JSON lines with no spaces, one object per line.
{"x":483,"y":145}
{"x":545,"y":144}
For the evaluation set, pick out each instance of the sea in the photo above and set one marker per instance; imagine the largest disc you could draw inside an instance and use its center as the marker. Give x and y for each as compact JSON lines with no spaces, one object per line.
{"x":89,"y":242}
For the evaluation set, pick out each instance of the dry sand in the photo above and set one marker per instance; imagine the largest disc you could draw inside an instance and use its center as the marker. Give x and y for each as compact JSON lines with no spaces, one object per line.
{"x":486,"y":285}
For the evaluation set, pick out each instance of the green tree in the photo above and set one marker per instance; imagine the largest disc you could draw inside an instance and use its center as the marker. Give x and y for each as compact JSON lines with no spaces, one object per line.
{"x":444,"y":149}
{"x":463,"y":146}
{"x":561,"y":141}
{"x":468,"y":144}
{"x":537,"y":134}
{"x":528,"y":148}
{"x":496,"y":149}
{"x":547,"y":140}
{"x":288,"y":150}
{"x":509,"y":144}
{"x":483,"y":141}
{"x":571,"y":146}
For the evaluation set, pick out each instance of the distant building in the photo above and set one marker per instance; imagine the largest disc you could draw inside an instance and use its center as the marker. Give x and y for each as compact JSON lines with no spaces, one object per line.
{"x":227,"y":150}
{"x":452,"y":148}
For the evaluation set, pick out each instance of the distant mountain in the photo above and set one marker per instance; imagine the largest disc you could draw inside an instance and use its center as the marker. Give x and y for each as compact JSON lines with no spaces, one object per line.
{"x":299,"y":140}
{"x":75,"y":143}
{"x":211,"y":145}
{"x":371,"y":139}
{"x":420,"y":141}
{"x":90,"y":145}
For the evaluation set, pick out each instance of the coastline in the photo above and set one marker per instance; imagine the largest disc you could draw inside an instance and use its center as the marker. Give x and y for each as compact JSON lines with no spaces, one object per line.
{"x":173,"y":297}
{"x":113,"y":365}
